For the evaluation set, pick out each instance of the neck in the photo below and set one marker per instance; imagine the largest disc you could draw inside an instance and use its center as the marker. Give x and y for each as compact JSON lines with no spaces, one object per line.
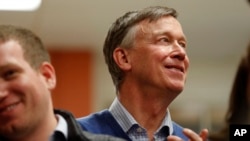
{"x":148,"y":107}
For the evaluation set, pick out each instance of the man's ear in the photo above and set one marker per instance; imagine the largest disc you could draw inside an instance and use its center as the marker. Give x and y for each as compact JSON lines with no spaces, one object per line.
{"x":121,"y":58}
{"x":48,"y":73}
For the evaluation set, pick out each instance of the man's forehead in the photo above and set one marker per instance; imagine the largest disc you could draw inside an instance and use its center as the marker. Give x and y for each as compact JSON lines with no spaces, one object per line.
{"x":11,"y":48}
{"x":159,"y":26}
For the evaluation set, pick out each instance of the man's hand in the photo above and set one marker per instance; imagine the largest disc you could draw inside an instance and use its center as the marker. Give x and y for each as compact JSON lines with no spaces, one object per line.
{"x":191,"y":135}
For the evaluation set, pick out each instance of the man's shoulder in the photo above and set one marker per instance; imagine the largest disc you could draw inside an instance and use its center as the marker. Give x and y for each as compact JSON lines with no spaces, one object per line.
{"x":76,"y":132}
{"x":96,"y":121}
{"x":97,"y":117}
{"x":102,"y":123}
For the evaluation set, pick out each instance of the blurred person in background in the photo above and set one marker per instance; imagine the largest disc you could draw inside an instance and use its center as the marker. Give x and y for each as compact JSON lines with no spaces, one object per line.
{"x":146,"y":55}
{"x":239,"y":101}
{"x":238,"y":111}
{"x":26,"y":80}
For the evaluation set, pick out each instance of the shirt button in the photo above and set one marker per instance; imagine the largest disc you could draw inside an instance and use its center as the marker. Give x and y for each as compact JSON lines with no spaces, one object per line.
{"x":139,"y":129}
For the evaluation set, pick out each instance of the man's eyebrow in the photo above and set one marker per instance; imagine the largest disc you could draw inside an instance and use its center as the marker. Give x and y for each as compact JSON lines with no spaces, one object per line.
{"x":6,"y":66}
{"x":160,"y":33}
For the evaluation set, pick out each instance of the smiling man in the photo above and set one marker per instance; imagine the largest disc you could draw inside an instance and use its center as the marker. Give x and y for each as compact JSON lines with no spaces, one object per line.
{"x":145,"y":52}
{"x":26,"y":80}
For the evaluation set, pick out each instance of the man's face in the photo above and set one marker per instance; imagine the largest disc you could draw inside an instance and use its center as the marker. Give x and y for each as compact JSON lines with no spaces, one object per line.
{"x":24,"y":92}
{"x":158,"y":58}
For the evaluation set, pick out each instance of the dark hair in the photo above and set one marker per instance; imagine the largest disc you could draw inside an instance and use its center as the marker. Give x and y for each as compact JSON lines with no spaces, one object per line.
{"x":238,"y":111}
{"x":34,"y":50}
{"x":238,"y":104}
{"x":122,"y":34}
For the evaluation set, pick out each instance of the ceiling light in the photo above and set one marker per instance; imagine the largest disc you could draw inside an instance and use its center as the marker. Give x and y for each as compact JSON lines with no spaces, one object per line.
{"x":19,"y":5}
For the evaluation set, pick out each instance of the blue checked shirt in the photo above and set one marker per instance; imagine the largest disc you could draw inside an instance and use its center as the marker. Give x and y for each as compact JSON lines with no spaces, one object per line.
{"x":133,"y":129}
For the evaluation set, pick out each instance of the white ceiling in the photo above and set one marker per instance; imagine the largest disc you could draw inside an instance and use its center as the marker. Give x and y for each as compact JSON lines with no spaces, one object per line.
{"x":215,"y":28}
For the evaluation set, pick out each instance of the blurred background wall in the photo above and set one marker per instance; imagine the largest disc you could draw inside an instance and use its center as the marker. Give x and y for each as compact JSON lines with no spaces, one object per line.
{"x":74,"y":31}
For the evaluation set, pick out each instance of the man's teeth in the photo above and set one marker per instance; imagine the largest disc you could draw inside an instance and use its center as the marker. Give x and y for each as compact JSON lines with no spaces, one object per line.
{"x":176,"y":69}
{"x":10,"y":107}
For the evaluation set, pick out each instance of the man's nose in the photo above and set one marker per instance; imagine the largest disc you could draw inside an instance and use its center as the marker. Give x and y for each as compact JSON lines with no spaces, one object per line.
{"x":179,"y":53}
{"x":3,"y":92}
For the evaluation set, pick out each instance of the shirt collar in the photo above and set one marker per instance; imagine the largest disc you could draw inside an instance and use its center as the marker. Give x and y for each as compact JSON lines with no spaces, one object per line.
{"x":126,"y":120}
{"x":62,"y":126}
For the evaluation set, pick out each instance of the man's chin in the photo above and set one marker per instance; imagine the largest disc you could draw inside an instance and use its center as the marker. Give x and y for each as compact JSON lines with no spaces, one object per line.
{"x":175,"y":91}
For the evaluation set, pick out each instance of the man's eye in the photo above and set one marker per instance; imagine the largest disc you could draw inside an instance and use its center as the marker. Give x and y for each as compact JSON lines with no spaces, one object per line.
{"x":183,"y":45}
{"x":9,"y":74}
{"x":164,"y":40}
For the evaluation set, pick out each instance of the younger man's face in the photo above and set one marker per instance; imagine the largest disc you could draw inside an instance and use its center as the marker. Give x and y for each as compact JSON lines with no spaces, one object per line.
{"x":24,"y":92}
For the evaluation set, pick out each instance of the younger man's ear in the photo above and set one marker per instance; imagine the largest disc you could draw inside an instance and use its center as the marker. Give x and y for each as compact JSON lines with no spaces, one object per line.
{"x":48,"y":73}
{"x":120,"y":56}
